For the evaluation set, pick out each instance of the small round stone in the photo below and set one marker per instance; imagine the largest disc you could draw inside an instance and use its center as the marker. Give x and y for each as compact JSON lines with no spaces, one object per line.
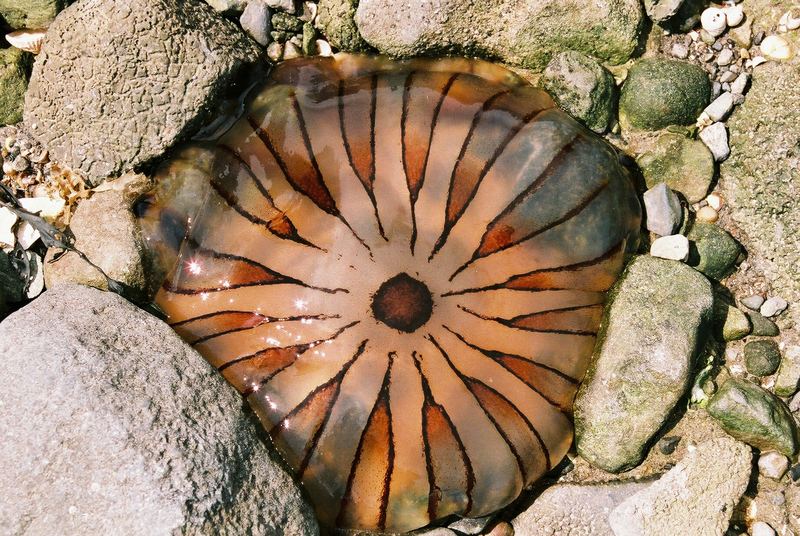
{"x":773,"y":306}
{"x":668,"y":444}
{"x":761,"y":528}
{"x":762,"y":357}
{"x":753,"y":302}
{"x":673,"y":247}
{"x":707,"y":215}
{"x":773,"y":465}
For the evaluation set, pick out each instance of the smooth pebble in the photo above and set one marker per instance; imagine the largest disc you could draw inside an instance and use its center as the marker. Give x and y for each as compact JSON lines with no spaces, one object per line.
{"x":674,"y":247}
{"x":773,"y":306}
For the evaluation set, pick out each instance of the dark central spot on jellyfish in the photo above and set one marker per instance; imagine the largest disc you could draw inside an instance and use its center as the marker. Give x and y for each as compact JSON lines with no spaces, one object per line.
{"x":403,"y":303}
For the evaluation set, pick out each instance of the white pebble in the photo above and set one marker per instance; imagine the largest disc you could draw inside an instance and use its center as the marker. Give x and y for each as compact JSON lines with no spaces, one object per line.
{"x":725,"y":57}
{"x":773,"y":306}
{"x":707,"y":215}
{"x":734,"y":15}
{"x":7,"y":221}
{"x":773,"y":465}
{"x":720,"y":108}
{"x":739,"y":86}
{"x":282,"y":5}
{"x":760,"y":528}
{"x":713,"y":21}
{"x":324,"y":48}
{"x":36,"y":283}
{"x":788,"y":22}
{"x":714,"y":201}
{"x":46,"y":207}
{"x":776,"y":47}
{"x":753,"y":302}
{"x":27,"y":235}
{"x":673,"y":247}
{"x":716,"y":139}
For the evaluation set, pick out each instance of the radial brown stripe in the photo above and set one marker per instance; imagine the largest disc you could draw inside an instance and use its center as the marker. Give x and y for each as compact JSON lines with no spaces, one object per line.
{"x":249,"y":372}
{"x":371,"y":470}
{"x":581,"y":318}
{"x":524,"y":324}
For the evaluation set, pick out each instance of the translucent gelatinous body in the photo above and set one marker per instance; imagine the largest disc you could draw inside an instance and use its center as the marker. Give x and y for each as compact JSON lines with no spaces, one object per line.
{"x":402,"y":266}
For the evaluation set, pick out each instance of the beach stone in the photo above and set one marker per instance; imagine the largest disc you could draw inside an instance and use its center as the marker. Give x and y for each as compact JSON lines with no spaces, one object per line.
{"x":773,"y":465}
{"x":787,"y":382}
{"x":663,"y":209}
{"x":14,"y":68}
{"x":582,"y":87}
{"x":283,"y":5}
{"x":716,"y":139}
{"x":753,"y":302}
{"x":684,"y":164}
{"x":553,"y":513}
{"x":107,"y":232}
{"x":525,"y":34}
{"x":713,"y":250}
{"x":696,"y":497}
{"x":470,"y":525}
{"x":761,"y":528}
{"x":105,"y":109}
{"x":255,"y":20}
{"x":673,"y":247}
{"x":754,"y":416}
{"x":30,"y":13}
{"x":642,"y":362}
{"x":721,"y":107}
{"x":122,"y":428}
{"x":773,"y":306}
{"x":663,"y":92}
{"x":678,"y":15}
{"x":763,"y":326}
{"x":734,"y":323}
{"x":228,"y":6}
{"x":762,"y":357}
{"x":336,"y":21}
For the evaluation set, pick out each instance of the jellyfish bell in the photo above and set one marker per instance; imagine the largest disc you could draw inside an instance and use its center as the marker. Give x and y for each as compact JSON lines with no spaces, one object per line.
{"x":402,"y":266}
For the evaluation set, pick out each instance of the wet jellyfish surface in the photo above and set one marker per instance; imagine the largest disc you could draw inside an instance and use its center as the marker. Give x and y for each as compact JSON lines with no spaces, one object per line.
{"x":402,"y":267}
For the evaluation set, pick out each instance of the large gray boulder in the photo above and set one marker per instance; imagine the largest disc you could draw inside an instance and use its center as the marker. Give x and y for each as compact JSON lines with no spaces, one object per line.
{"x":112,"y":425}
{"x":524,"y":33}
{"x":643,"y":360}
{"x":118,"y":83}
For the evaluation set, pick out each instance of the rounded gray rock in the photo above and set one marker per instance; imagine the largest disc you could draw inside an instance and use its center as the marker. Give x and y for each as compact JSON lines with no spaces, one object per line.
{"x":113,"y":425}
{"x":762,"y":357}
{"x":663,"y":210}
{"x":118,"y":83}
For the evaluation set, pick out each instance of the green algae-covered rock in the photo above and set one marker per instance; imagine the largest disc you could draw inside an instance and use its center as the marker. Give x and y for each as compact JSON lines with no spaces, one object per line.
{"x":684,"y":164}
{"x":30,"y":13}
{"x":755,"y":416}
{"x":336,"y":21}
{"x":14,"y":66}
{"x":712,"y":251}
{"x":763,"y":326}
{"x":762,"y":357}
{"x":660,"y":92}
{"x":643,"y":361}
{"x":582,"y":87}
{"x":525,"y":34}
{"x":733,"y":323}
{"x":787,"y":381}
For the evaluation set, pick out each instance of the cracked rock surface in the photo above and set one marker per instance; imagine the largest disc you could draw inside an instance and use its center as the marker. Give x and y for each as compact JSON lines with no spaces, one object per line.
{"x":118,"y":83}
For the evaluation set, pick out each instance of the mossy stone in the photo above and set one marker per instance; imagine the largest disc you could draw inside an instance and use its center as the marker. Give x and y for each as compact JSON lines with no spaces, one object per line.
{"x":660,"y":92}
{"x":582,"y":87}
{"x":309,"y":39}
{"x":733,"y":324}
{"x":14,"y":67}
{"x":763,"y":326}
{"x":30,"y":13}
{"x":755,"y":416}
{"x":712,"y":250}
{"x":684,"y":164}
{"x":762,"y":357}
{"x":284,"y":21}
{"x":336,"y":21}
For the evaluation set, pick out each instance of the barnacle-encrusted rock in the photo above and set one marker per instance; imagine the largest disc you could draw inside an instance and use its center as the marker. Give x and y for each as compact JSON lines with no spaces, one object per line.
{"x":117,"y":83}
{"x":30,"y":13}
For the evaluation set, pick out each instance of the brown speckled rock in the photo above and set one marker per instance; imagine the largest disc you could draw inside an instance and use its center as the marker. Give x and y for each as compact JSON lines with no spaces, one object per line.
{"x":117,"y":83}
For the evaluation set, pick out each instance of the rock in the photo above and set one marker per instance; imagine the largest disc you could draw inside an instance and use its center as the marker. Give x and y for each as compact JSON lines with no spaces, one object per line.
{"x":255,"y":20}
{"x":787,"y":382}
{"x":105,"y":109}
{"x":30,"y":13}
{"x":762,"y":357}
{"x":14,"y":68}
{"x":680,"y":51}
{"x":742,"y":35}
{"x":720,"y":108}
{"x":707,"y":214}
{"x":228,"y":6}
{"x":696,"y":497}
{"x":469,"y":525}
{"x":336,"y":21}
{"x":582,"y":87}
{"x":668,"y":444}
{"x":735,"y":324}
{"x":127,"y":430}
{"x":739,"y":86}
{"x":716,"y":139}
{"x":762,"y":326}
{"x":662,"y":92}
{"x":755,"y":416}
{"x":642,"y":362}
{"x":283,"y":5}
{"x":713,"y":251}
{"x":663,"y":210}
{"x":107,"y":232}
{"x":553,"y":513}
{"x":773,"y":465}
{"x":674,"y":247}
{"x":761,"y":528}
{"x":773,"y":306}
{"x":725,"y":57}
{"x":678,"y":15}
{"x":12,"y":287}
{"x":309,"y":39}
{"x":525,"y":34}
{"x":753,"y":302}
{"x":760,"y":178}
{"x":685,"y":165}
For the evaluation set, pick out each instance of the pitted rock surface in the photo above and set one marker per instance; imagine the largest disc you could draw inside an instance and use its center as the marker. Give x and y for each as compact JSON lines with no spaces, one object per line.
{"x":117,"y":83}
